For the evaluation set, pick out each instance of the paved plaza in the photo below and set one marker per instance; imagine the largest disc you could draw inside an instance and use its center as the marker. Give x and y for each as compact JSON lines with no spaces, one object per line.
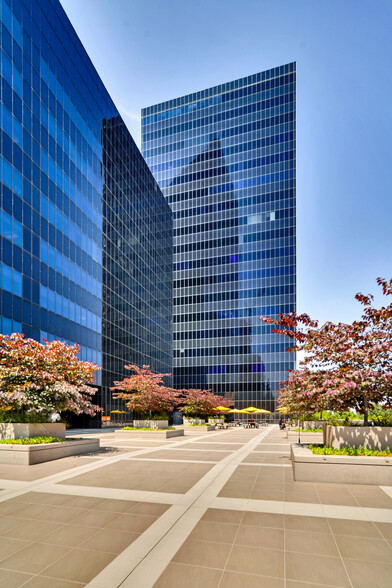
{"x":212,"y":510}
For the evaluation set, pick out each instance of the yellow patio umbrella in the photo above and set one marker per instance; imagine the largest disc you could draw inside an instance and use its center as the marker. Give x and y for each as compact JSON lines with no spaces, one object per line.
{"x":238,"y":411}
{"x":284,"y":409}
{"x":118,"y":411}
{"x":251,"y":409}
{"x":221,"y":408}
{"x":262,"y":411}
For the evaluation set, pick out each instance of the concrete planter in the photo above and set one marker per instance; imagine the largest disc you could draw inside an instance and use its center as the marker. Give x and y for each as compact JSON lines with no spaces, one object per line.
{"x":340,"y":469}
{"x":193,"y":421}
{"x":199,"y":430}
{"x":120,"y":433}
{"x":310,"y":424}
{"x":23,"y":430}
{"x":370,"y":437}
{"x":152,"y":424}
{"x":292,"y":437}
{"x":33,"y":454}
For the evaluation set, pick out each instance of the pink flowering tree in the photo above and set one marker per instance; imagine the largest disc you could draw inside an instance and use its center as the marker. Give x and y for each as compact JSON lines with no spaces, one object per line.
{"x":41,"y":378}
{"x":346,"y":365}
{"x":201,"y":403}
{"x":145,"y":392}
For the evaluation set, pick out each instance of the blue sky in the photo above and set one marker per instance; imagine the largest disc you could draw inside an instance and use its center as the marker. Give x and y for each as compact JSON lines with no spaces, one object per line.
{"x":148,"y":51}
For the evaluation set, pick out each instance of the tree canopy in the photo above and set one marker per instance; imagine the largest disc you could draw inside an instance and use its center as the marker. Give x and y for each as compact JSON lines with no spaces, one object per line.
{"x":345,"y":365}
{"x":44,"y":377}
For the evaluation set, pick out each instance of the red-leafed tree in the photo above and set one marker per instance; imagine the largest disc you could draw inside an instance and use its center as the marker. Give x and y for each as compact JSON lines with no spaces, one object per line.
{"x":41,"y":378}
{"x":201,"y":403}
{"x":145,"y":392}
{"x":345,"y":365}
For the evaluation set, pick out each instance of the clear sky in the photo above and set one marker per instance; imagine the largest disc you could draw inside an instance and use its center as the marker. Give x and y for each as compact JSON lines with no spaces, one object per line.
{"x":148,"y":51}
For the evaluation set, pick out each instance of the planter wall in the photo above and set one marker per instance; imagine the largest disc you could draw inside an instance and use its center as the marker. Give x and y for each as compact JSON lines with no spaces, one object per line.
{"x":193,"y":421}
{"x":22,"y":430}
{"x":33,"y":454}
{"x":340,"y":469}
{"x":369,"y":437}
{"x":152,"y":424}
{"x":310,"y":424}
{"x":292,"y":436}
{"x":149,"y":434}
{"x":199,"y":430}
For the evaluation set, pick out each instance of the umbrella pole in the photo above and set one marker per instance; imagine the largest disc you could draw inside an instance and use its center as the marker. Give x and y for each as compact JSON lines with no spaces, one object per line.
{"x":299,"y":434}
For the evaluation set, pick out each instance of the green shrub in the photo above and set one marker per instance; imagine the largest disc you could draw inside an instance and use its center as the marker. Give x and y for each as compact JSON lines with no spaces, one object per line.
{"x":14,"y":416}
{"x":355,"y":451}
{"x":318,"y":430}
{"x":31,"y":440}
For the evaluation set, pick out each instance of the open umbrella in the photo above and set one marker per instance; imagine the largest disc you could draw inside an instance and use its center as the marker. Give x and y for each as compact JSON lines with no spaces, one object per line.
{"x":238,"y":411}
{"x":221,"y":408}
{"x":261,"y":411}
{"x":251,"y":409}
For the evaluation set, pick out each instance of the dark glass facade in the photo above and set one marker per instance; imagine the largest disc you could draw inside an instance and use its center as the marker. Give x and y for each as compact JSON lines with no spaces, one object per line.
{"x":85,"y":231}
{"x":225,"y":159}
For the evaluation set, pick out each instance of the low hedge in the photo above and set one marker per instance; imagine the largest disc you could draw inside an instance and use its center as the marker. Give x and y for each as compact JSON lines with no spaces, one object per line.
{"x":355,"y":451}
{"x":31,"y":440}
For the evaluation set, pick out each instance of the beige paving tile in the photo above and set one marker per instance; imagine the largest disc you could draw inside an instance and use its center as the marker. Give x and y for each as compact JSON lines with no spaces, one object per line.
{"x":203,"y":553}
{"x":44,"y":582}
{"x":250,"y":560}
{"x":364,"y":574}
{"x":96,"y":518}
{"x":69,"y":535}
{"x":355,"y":528}
{"x":318,"y":569}
{"x":266,"y":538}
{"x":217,"y":515}
{"x":41,"y":470}
{"x":178,"y":575}
{"x":306,"y":542}
{"x":304,"y":523}
{"x":216,"y":532}
{"x":263,"y":519}
{"x":385,"y":529}
{"x":12,"y":579}
{"x":371,"y":496}
{"x":235,"y":580}
{"x":131,"y":523}
{"x":34,"y":558}
{"x":79,"y":565}
{"x":45,"y":498}
{"x":149,"y":508}
{"x":119,"y":506}
{"x":109,"y":540}
{"x":24,"y":529}
{"x":364,"y":548}
{"x":9,"y":546}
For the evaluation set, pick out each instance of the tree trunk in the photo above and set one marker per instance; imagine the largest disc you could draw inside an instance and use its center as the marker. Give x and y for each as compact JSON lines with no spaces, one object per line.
{"x":365,"y":411}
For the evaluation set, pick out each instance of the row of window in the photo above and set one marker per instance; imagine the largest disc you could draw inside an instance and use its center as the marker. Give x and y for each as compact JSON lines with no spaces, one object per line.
{"x":232,"y":350}
{"x":226,"y":259}
{"x":244,"y":221}
{"x":193,"y":99}
{"x":234,"y":295}
{"x":236,"y":368}
{"x":68,"y":309}
{"x":240,"y":145}
{"x":216,"y":315}
{"x":192,"y":123}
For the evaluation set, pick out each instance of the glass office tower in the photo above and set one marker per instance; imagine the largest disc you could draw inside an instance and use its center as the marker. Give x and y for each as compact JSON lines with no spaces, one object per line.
{"x":85,"y":231}
{"x":225,"y":160}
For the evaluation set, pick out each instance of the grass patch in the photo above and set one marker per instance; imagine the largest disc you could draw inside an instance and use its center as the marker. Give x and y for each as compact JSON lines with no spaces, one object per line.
{"x":352,"y":451}
{"x":31,"y":440}
{"x":308,"y":430}
{"x":146,"y":429}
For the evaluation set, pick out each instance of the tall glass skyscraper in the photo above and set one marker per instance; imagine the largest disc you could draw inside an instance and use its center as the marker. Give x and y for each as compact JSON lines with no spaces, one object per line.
{"x":225,"y":160}
{"x":86,"y":235}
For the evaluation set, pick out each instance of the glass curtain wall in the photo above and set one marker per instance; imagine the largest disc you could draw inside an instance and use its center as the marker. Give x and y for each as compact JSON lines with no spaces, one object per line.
{"x":225,"y":159}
